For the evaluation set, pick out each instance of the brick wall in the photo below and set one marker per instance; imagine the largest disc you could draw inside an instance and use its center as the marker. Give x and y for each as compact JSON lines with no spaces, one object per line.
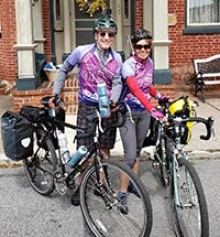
{"x":138,"y":14}
{"x":8,"y":61}
{"x":185,"y":48}
{"x":69,"y":95}
{"x":47,"y":35}
{"x":33,"y":97}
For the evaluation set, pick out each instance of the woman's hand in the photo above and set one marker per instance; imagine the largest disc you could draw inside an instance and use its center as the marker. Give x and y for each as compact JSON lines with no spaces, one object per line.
{"x":157,"y":114}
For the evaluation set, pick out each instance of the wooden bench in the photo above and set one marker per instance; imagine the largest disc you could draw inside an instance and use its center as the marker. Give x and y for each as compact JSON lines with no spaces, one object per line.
{"x":207,"y":70}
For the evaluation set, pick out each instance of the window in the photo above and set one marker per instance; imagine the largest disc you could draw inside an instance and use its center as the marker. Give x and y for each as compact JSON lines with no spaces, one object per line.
{"x":203,"y":16}
{"x":203,"y":12}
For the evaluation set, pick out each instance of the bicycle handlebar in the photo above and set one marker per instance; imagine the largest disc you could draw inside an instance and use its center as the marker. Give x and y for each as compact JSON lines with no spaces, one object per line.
{"x":93,"y":119}
{"x":120,"y":114}
{"x":208,"y":123}
{"x":56,"y":101}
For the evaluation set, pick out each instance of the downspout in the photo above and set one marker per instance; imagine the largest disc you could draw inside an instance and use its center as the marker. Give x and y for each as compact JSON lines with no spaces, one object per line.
{"x":52,"y":34}
{"x":132,"y":14}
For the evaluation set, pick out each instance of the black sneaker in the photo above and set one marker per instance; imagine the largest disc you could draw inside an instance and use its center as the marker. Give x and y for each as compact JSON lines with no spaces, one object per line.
{"x":123,"y":199}
{"x":133,"y":189}
{"x":75,"y":198}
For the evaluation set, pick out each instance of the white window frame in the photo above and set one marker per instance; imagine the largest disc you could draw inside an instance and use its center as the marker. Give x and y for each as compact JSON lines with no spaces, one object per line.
{"x":199,"y":24}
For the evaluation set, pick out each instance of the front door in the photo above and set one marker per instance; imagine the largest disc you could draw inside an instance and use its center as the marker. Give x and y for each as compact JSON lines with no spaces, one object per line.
{"x":82,"y":25}
{"x":121,"y":13}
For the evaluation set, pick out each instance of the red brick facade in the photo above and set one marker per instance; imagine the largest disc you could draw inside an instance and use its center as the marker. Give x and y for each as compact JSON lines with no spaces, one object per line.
{"x":138,"y":14}
{"x":47,"y":35}
{"x":69,"y":95}
{"x":183,"y":49}
{"x":8,"y":63}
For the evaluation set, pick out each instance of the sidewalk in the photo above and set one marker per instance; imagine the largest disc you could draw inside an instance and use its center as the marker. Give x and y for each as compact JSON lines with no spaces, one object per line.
{"x":197,"y":148}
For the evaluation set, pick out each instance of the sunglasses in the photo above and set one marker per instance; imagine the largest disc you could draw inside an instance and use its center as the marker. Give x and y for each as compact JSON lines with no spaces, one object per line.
{"x":140,"y":46}
{"x":103,"y":34}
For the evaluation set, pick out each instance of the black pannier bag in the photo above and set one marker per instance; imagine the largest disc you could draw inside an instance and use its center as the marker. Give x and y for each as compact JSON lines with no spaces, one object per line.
{"x":32,"y":113}
{"x":35,"y":114}
{"x":151,"y":138}
{"x":17,"y":136}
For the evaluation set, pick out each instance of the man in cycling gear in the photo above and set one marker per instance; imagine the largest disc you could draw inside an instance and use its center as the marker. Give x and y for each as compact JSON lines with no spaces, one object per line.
{"x":97,"y":63}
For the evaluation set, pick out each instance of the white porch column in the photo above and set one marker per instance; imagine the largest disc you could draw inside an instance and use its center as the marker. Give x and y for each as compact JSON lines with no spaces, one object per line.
{"x":25,"y":45}
{"x":161,"y":44}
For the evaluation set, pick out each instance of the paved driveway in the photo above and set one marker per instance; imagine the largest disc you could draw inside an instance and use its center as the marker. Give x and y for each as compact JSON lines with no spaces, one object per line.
{"x":24,"y":213}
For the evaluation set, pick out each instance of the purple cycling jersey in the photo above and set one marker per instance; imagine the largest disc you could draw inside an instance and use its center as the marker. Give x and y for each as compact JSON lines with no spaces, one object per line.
{"x":144,"y":76}
{"x":91,"y":71}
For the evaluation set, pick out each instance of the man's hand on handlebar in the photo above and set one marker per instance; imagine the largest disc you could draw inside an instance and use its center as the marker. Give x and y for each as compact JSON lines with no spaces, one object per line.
{"x":55,"y":101}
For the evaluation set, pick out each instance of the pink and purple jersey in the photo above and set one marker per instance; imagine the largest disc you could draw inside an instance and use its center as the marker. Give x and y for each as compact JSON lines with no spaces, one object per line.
{"x":91,"y":71}
{"x":143,"y":73}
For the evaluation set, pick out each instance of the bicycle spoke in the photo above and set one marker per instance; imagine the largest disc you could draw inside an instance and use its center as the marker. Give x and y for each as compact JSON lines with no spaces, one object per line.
{"x":39,"y":168}
{"x":102,"y":210}
{"x":190,"y":207}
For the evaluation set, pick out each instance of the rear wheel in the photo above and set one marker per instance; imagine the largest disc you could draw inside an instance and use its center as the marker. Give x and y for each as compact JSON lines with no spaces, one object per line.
{"x":102,"y":208}
{"x":40,"y":167}
{"x":189,"y":203}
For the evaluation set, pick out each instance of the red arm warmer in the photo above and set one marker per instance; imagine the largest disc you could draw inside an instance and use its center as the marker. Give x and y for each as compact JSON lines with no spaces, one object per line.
{"x":153,"y":92}
{"x":136,"y":91}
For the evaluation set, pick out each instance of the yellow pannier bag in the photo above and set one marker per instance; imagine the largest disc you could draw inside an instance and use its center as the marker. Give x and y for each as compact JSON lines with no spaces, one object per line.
{"x":183,"y":107}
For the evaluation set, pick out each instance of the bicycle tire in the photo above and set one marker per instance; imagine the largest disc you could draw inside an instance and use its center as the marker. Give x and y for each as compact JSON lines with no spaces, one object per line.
{"x":191,"y":216}
{"x":160,"y":157}
{"x":105,"y":218}
{"x":40,"y":167}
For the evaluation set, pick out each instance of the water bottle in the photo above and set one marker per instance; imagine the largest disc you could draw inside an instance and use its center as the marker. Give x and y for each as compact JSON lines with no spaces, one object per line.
{"x":62,"y":142}
{"x":104,"y":108}
{"x":77,"y":156}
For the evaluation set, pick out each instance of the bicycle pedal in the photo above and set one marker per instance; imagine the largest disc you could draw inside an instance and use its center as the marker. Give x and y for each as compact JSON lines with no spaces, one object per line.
{"x":61,"y":187}
{"x":60,"y":184}
{"x":156,"y":165}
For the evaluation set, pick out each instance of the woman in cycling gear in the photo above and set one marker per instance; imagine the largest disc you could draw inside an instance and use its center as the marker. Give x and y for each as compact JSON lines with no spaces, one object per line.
{"x":137,"y":72}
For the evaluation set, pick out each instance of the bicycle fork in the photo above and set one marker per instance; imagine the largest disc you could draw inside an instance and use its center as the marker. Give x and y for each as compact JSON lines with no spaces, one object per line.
{"x":185,"y":186}
{"x":105,"y":189}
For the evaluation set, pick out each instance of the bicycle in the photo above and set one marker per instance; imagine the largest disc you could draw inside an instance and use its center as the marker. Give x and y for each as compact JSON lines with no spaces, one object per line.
{"x":190,"y":211}
{"x":47,"y":171}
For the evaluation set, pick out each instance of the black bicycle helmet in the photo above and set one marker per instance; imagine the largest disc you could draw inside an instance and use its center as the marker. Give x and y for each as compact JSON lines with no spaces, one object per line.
{"x":105,"y":24}
{"x":139,"y":35}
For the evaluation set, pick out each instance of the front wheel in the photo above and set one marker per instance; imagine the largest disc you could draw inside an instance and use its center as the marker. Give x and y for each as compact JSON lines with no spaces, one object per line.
{"x":102,"y":208}
{"x":189,"y":202}
{"x":40,"y":167}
